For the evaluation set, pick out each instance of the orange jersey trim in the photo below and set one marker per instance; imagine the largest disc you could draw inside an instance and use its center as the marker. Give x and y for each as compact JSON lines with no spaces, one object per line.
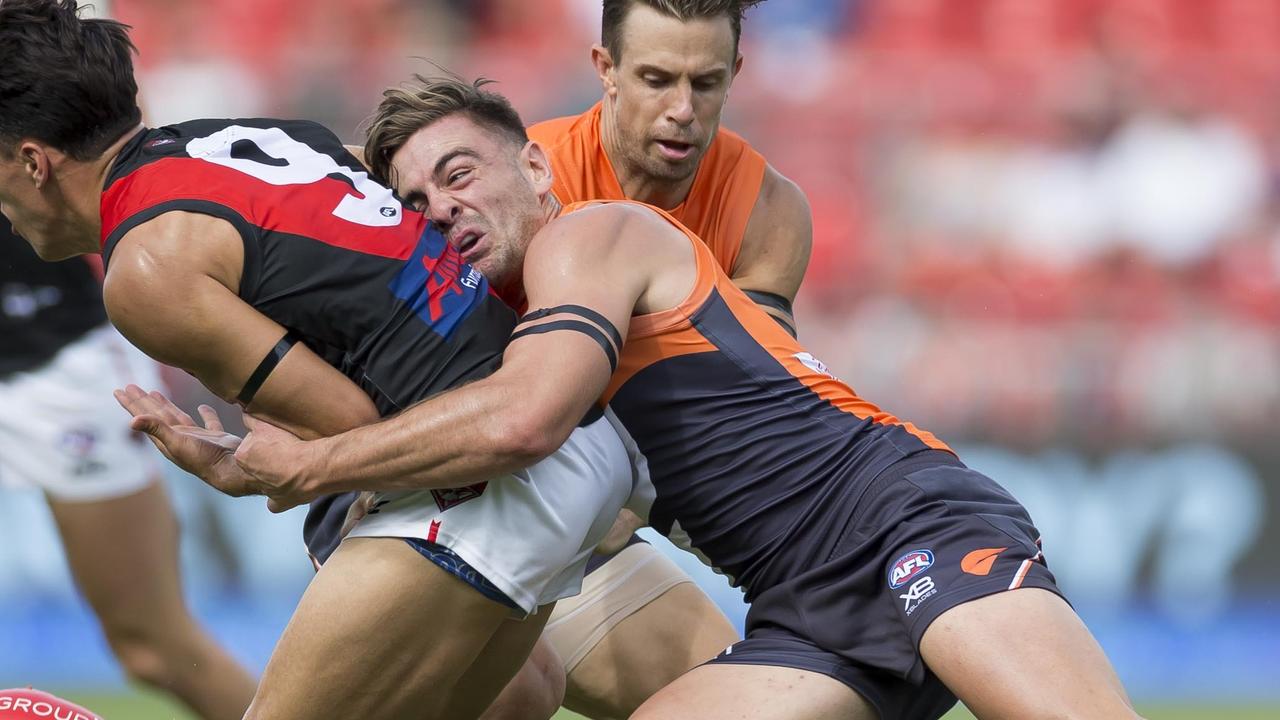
{"x":719,"y":203}
{"x":658,"y":336}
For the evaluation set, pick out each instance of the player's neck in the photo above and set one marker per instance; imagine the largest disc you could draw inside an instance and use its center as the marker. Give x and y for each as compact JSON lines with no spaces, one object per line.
{"x":635,"y":183}
{"x":551,"y":208}
{"x":83,"y":184}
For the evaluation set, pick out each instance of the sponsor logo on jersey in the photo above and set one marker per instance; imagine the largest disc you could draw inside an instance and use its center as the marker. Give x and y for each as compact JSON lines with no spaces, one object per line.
{"x":980,"y":562}
{"x":388,"y":212}
{"x":909,"y":566}
{"x":452,"y":497}
{"x":920,"y":590}
{"x":814,"y":364}
{"x":440,"y":288}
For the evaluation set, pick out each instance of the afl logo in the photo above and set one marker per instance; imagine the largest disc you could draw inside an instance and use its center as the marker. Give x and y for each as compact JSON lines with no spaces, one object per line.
{"x":909,"y":566}
{"x":388,"y":212}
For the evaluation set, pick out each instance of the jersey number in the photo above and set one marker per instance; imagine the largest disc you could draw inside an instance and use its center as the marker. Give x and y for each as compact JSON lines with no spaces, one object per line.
{"x":286,"y":161}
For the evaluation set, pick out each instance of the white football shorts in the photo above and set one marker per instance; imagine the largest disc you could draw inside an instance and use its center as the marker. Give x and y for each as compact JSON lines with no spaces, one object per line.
{"x":529,"y":533}
{"x":63,"y":432}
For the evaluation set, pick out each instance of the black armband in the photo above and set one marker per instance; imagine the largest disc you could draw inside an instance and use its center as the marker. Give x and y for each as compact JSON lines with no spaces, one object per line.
{"x":264,"y":369}
{"x":777,"y":302}
{"x":580,"y":311}
{"x":587,"y":329}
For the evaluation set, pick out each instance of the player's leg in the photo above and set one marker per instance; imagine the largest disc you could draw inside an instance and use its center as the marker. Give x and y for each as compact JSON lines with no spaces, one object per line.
{"x":405,"y":629}
{"x":1023,"y":654}
{"x":123,"y":553}
{"x":537,"y":690}
{"x":756,"y":692}
{"x":638,"y":623}
{"x":981,"y":606}
{"x":647,"y":641}
{"x":381,"y":632}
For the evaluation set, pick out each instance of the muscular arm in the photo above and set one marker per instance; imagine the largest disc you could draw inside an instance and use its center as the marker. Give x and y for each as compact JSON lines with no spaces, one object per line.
{"x":595,"y":258}
{"x":775,"y":247}
{"x":172,"y":291}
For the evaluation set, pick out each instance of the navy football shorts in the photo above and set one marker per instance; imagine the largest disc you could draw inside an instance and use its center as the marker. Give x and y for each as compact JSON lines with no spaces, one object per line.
{"x":927,"y":534}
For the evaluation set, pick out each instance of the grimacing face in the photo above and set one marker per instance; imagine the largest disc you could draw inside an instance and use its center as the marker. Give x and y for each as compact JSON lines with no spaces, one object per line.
{"x":671,"y":84}
{"x":480,"y":189}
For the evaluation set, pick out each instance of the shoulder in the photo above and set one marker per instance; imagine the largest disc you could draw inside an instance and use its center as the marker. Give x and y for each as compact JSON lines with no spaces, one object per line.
{"x":599,"y":231}
{"x":560,"y":136}
{"x":779,"y":194}
{"x":551,"y":131}
{"x":165,"y":252}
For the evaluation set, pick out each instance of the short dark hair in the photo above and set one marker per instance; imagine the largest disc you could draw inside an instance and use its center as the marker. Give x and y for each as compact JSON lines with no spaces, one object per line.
{"x":615,"y":12}
{"x":64,"y":81}
{"x":408,"y":108}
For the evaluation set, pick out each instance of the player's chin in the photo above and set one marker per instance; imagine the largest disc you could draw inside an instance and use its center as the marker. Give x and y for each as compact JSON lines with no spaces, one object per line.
{"x":674,"y":170}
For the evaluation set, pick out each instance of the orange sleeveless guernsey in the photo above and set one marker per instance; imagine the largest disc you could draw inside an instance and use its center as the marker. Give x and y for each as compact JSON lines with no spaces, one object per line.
{"x":718,"y":338}
{"x":719,"y":202}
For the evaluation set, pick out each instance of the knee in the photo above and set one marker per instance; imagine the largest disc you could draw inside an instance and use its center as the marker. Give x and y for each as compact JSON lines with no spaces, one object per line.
{"x":142,"y":660}
{"x":145,"y":651}
{"x":535,"y":693}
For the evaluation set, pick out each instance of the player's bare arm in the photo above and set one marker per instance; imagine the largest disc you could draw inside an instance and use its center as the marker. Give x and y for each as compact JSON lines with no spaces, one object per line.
{"x":775,"y":247}
{"x":613,"y":261}
{"x":176,"y":300}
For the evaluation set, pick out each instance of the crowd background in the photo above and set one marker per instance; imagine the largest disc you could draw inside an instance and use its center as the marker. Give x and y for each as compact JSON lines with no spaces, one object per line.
{"x":1046,"y":230}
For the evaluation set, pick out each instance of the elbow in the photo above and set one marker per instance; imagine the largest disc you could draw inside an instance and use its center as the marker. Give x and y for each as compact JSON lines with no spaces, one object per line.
{"x":523,"y":438}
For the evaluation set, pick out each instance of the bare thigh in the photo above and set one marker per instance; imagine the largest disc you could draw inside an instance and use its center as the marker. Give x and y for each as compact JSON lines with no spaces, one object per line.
{"x":676,"y":632}
{"x":534,"y":693}
{"x":381,"y":632}
{"x":1023,"y":654}
{"x":755,"y":692}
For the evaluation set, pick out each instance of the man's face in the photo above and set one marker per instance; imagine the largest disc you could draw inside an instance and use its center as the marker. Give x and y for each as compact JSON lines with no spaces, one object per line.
{"x":671,"y":84}
{"x":32,"y":214}
{"x":481,"y":190}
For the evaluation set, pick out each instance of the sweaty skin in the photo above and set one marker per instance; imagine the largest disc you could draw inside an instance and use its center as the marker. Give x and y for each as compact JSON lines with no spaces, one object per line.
{"x":624,"y":260}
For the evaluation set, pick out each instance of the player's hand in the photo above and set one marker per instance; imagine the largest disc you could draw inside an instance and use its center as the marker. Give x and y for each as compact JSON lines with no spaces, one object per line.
{"x":274,"y":456}
{"x":206,"y":452}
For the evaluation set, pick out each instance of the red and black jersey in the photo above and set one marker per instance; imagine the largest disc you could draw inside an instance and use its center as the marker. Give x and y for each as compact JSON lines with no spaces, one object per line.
{"x":44,"y":306}
{"x":329,"y":253}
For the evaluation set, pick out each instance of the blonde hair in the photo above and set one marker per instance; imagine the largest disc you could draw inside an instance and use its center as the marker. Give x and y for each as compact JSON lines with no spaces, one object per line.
{"x":408,"y":108}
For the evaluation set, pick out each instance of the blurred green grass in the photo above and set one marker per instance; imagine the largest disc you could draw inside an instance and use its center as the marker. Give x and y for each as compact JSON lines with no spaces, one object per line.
{"x":144,"y":705}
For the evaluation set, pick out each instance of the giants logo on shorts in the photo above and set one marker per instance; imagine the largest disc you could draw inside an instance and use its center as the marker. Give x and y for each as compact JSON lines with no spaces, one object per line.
{"x":450,"y":497}
{"x":909,"y":566}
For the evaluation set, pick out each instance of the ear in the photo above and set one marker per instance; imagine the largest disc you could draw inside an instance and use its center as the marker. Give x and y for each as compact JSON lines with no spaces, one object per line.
{"x":602,"y":59}
{"x":538,"y":167}
{"x":737,"y":65}
{"x":36,"y":162}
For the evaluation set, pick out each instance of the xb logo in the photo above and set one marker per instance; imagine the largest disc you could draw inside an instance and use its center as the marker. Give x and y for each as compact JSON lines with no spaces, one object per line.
{"x":919,"y":591}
